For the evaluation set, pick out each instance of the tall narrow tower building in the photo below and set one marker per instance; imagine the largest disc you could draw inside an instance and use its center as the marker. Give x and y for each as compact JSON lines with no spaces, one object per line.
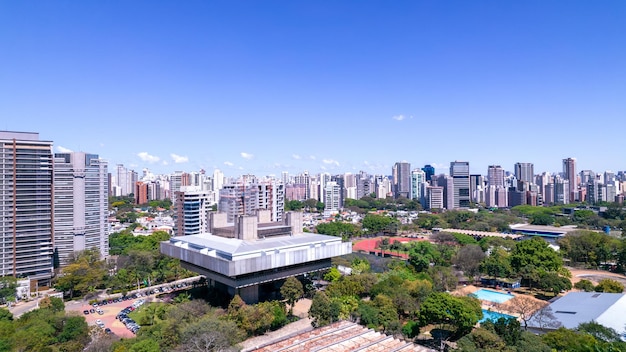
{"x":26,"y":203}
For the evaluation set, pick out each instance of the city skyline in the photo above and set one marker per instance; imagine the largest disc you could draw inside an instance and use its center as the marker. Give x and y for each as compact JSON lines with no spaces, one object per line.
{"x":261,"y":88}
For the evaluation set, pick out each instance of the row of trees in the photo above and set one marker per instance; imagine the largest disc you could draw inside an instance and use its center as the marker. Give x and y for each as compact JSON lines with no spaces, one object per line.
{"x":45,"y":329}
{"x":137,"y":262}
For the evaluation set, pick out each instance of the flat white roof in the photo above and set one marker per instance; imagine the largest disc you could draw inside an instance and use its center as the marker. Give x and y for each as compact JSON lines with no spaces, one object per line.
{"x":235,"y":247}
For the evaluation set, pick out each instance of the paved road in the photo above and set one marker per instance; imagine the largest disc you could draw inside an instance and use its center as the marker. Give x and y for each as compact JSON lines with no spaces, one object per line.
{"x":23,"y":307}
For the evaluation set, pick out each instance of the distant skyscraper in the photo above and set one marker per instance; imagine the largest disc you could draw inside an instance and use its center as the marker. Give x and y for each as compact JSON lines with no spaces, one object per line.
{"x":401,"y":180}
{"x":81,"y":205}
{"x":26,"y":203}
{"x":433,"y":199}
{"x":495,"y":175}
{"x":569,"y":172}
{"x":561,"y":190}
{"x":429,"y":171}
{"x":477,"y":188}
{"x":459,"y":170}
{"x":418,"y":177}
{"x":525,"y":172}
{"x":446,"y":183}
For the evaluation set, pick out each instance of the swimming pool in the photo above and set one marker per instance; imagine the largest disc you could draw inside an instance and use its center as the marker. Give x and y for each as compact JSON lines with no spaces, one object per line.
{"x":493,"y":316}
{"x":492,"y":296}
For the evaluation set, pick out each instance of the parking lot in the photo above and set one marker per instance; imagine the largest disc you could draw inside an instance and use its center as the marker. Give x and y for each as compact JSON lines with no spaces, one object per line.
{"x":112,"y":308}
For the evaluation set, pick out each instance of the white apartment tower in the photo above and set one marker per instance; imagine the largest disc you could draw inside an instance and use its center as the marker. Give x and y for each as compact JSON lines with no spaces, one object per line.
{"x":26,"y":196}
{"x":332,"y":198}
{"x":80,"y":205}
{"x":418,"y":178}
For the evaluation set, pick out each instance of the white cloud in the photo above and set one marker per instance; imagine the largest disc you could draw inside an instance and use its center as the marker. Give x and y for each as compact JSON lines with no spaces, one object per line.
{"x":148,"y":158}
{"x":296,"y":156}
{"x":401,"y":117}
{"x":102,"y":144}
{"x":331,"y":161}
{"x":228,"y":163}
{"x":438,"y":165}
{"x":312,"y":157}
{"x":323,"y":167}
{"x":63,"y":149}
{"x":179,"y":159}
{"x":164,"y":162}
{"x":366,"y":162}
{"x":247,"y":155}
{"x":241,"y":168}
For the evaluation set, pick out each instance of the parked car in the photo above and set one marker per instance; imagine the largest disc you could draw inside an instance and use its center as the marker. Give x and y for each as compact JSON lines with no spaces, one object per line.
{"x":86,"y":312}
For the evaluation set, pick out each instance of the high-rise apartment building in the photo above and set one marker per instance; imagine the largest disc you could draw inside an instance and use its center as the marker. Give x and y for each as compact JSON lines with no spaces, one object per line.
{"x":26,"y":203}
{"x":460,"y":171}
{"x":561,"y":190}
{"x":192,"y":211}
{"x":81,"y":205}
{"x":401,"y":173}
{"x":418,"y":178}
{"x":246,"y":198}
{"x":332,"y":198}
{"x":525,"y":172}
{"x":495,"y":175}
{"x":364,"y":185}
{"x":569,"y":173}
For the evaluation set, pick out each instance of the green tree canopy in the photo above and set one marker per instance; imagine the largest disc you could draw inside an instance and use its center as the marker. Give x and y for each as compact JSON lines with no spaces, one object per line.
{"x":378,"y":223}
{"x":456,"y":314}
{"x":291,"y":290}
{"x":536,"y":252}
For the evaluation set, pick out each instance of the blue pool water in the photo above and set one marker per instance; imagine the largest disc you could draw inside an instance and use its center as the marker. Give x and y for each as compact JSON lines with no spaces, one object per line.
{"x":493,"y":316}
{"x":492,"y":296}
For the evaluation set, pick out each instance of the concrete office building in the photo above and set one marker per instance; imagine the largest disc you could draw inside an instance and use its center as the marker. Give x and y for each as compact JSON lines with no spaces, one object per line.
{"x":525,"y":172}
{"x":81,"y":205}
{"x":434,"y":198}
{"x":26,"y":218}
{"x":569,"y":173}
{"x":401,"y":181}
{"x":460,"y":171}
{"x":253,"y":256}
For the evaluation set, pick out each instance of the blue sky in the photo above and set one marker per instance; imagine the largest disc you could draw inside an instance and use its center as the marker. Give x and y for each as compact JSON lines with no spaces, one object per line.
{"x":337,"y":86}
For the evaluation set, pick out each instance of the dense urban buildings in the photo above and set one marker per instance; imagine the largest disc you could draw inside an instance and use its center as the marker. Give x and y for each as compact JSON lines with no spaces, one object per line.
{"x":81,"y":205}
{"x":26,"y":198}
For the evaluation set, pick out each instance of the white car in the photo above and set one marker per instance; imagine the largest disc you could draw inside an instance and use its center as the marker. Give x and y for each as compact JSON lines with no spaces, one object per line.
{"x":100,"y":323}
